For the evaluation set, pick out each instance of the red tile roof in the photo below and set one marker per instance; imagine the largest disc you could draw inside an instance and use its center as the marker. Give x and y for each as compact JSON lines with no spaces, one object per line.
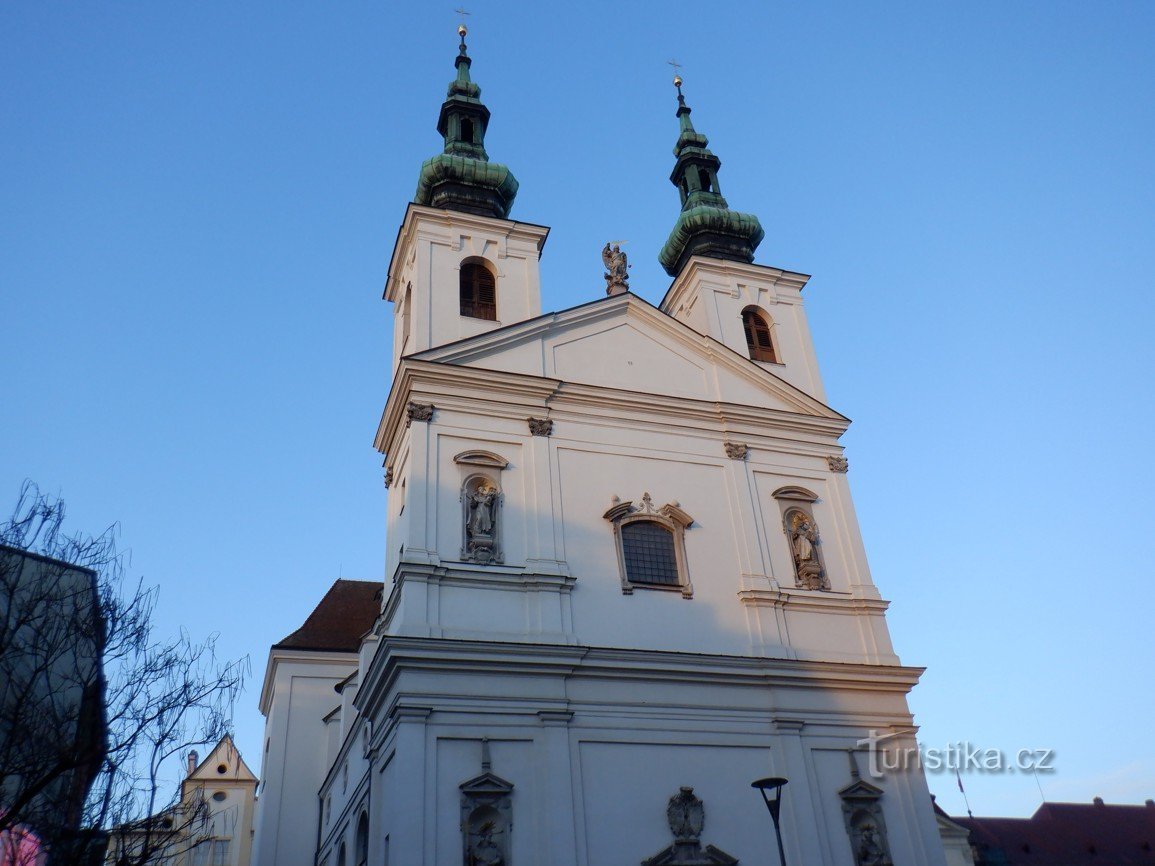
{"x":338,"y":623}
{"x":1060,"y":834}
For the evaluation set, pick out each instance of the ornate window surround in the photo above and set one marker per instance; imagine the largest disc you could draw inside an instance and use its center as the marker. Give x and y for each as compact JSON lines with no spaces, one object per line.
{"x":670,"y":517}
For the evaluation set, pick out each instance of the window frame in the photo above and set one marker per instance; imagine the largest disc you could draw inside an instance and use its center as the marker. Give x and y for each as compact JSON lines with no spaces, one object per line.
{"x":753,"y":350}
{"x":473,"y":303}
{"x":670,"y":517}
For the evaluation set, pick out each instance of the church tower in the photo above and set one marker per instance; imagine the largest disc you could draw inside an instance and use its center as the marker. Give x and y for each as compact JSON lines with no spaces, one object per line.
{"x":457,"y":233}
{"x":624,"y":575}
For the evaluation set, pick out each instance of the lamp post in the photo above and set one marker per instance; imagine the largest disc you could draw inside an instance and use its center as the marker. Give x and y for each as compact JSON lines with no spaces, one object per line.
{"x":771,"y":790}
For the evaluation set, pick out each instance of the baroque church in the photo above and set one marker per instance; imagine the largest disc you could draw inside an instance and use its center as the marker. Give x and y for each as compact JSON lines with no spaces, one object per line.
{"x":624,"y":576}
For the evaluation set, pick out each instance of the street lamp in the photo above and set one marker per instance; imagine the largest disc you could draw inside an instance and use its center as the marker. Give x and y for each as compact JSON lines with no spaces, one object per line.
{"x":772,"y":795}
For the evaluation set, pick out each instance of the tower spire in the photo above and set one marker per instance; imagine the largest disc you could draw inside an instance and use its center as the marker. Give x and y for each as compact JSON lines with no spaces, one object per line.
{"x":706,"y":226}
{"x":462,"y":177}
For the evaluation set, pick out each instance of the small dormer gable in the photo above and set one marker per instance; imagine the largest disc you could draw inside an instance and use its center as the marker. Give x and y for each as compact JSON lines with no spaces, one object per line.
{"x":222,"y":765}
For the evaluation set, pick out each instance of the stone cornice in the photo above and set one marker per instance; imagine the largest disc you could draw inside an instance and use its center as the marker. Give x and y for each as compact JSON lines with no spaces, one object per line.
{"x":814,"y":601}
{"x":479,"y":391}
{"x":473,"y":350}
{"x":416,"y":215}
{"x":279,"y":655}
{"x":698,"y":268}
{"x":398,"y":654}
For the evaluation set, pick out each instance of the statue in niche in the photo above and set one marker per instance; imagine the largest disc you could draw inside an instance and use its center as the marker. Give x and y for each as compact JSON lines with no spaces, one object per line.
{"x":481,"y":506}
{"x":486,"y":816}
{"x":484,"y":850}
{"x":868,"y":849}
{"x":482,"y":501}
{"x":804,"y":546}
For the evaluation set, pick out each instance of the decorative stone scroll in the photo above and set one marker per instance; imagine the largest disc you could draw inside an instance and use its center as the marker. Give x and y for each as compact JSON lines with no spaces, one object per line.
{"x":838,"y":464}
{"x":418,"y":412}
{"x":736,"y":451}
{"x":486,"y":816}
{"x":388,"y":476}
{"x":687,"y":816}
{"x":540,"y":426}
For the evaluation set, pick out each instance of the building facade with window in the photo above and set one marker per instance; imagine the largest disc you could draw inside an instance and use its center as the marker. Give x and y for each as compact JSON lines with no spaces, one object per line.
{"x":624,"y":577}
{"x":209,"y":824}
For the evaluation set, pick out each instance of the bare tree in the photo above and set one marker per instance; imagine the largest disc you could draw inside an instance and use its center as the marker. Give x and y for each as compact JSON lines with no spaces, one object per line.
{"x":78,"y":653}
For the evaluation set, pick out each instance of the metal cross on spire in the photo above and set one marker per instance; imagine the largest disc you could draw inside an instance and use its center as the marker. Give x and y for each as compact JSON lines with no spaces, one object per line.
{"x":461,"y":28}
{"x":677,"y":73}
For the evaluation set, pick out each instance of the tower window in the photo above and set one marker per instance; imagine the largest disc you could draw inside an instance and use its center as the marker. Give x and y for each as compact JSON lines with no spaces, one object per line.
{"x":704,"y":179}
{"x":651,"y":545}
{"x":467,"y":130}
{"x":478,"y":292}
{"x":758,"y":340}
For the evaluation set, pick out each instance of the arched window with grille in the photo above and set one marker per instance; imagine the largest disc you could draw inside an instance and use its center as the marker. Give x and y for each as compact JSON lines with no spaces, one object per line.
{"x":651,"y":545}
{"x":478,"y":291}
{"x":759,"y":341}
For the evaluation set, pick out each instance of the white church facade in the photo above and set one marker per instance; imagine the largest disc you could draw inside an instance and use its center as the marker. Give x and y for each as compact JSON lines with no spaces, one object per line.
{"x":624,"y":575}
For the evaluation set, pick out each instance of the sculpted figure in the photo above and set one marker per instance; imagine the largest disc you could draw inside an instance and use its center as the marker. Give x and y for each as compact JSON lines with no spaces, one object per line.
{"x":617,"y":269}
{"x":481,"y":507}
{"x":485,"y":851}
{"x":869,"y":851}
{"x":805,"y":535}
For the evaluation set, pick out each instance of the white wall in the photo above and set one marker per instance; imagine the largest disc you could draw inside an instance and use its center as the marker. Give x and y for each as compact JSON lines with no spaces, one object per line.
{"x":297,"y":695}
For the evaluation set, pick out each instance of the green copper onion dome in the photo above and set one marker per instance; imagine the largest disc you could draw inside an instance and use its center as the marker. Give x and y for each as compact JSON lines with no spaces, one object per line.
{"x":706,"y":226}
{"x":462,"y":178}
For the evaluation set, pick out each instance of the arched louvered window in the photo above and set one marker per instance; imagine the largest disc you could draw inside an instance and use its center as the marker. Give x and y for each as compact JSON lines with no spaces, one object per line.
{"x":478,"y":291}
{"x":758,"y":340}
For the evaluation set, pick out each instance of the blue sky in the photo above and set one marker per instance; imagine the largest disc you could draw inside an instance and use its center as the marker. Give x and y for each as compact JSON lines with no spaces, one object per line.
{"x":200,"y":202}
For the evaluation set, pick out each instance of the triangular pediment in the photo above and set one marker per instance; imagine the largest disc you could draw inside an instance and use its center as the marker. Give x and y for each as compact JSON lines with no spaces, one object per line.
{"x":487,"y":784}
{"x":624,"y":343}
{"x":860,"y":790}
{"x":223,"y":755}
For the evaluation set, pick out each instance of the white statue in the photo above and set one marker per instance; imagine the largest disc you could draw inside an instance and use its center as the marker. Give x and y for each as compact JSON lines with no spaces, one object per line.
{"x":617,"y":269}
{"x":482,"y":507}
{"x":805,"y":535}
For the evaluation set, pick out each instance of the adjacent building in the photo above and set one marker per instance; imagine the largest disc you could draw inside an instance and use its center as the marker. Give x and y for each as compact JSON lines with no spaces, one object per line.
{"x":1060,"y":834}
{"x":210,"y":824}
{"x":52,"y":726}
